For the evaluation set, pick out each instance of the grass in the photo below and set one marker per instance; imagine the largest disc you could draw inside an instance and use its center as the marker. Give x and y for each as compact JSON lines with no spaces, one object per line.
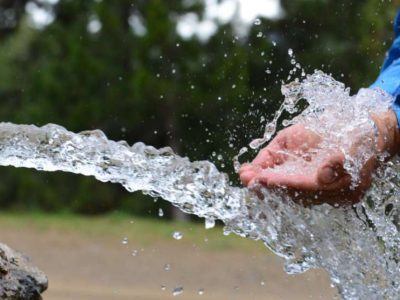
{"x":141,"y":230}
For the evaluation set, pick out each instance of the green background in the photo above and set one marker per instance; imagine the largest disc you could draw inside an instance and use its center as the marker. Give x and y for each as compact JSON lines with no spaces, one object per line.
{"x":202,"y":98}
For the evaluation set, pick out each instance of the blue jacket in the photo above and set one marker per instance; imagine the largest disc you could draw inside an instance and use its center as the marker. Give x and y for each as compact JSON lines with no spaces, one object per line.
{"x":389,"y":78}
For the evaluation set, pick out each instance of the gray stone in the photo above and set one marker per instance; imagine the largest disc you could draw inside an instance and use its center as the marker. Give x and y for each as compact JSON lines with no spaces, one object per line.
{"x":19,"y":280}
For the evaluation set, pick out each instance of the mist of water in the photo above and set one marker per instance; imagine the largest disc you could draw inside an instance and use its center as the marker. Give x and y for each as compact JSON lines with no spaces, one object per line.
{"x":357,"y":245}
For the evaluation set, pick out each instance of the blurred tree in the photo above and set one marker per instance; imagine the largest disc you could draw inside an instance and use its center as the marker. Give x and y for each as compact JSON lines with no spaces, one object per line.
{"x":11,"y":12}
{"x":341,"y":37}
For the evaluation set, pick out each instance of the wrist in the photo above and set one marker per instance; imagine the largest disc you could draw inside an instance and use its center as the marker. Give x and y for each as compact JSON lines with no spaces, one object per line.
{"x":388,"y":135}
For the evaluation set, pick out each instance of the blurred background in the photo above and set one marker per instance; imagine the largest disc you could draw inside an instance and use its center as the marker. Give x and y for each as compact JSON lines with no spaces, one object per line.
{"x":200,"y":76}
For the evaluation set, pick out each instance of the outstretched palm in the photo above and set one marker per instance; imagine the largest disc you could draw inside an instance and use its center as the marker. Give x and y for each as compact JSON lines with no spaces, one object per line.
{"x":295,"y":161}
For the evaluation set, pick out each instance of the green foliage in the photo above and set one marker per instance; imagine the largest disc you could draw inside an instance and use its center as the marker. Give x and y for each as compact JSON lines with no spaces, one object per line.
{"x":156,"y":87}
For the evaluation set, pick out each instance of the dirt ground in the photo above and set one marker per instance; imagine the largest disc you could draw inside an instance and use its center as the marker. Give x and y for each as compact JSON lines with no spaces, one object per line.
{"x":100,"y":267}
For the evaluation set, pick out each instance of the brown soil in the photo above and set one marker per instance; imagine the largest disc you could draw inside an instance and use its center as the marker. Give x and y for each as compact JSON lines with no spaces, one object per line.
{"x":85,"y":267}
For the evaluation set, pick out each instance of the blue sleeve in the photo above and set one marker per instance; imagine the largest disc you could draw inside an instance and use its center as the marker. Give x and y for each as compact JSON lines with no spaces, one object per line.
{"x":389,"y":78}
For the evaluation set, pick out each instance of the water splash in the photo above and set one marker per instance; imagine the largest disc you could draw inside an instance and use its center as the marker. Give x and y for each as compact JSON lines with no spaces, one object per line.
{"x":343,"y":121}
{"x":357,"y":245}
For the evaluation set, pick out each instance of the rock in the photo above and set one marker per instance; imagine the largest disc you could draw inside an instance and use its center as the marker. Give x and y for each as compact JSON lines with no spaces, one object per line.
{"x":19,"y":280}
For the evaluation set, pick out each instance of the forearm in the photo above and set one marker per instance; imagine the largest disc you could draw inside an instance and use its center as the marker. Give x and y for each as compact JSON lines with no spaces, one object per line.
{"x":388,"y":135}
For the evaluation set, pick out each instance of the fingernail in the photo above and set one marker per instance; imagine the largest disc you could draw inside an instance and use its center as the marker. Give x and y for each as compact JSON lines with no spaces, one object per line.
{"x":327,"y":175}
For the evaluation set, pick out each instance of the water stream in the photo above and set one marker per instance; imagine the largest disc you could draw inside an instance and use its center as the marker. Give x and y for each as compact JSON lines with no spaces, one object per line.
{"x":357,"y":245}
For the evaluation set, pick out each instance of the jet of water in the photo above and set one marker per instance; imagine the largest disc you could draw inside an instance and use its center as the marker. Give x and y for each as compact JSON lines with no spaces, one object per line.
{"x":357,"y":245}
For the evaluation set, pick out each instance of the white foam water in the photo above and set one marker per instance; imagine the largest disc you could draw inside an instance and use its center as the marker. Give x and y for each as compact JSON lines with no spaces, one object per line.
{"x":357,"y":245}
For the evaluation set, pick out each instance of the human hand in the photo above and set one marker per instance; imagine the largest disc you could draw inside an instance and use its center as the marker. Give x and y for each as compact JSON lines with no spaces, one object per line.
{"x":295,"y":161}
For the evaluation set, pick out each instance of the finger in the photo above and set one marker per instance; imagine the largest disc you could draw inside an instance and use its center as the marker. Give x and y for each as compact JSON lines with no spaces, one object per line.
{"x":301,"y":182}
{"x":269,"y":157}
{"x":245,"y":167}
{"x":331,"y":168}
{"x":249,"y":167}
{"x":246,"y":177}
{"x":331,"y":175}
{"x":247,"y":173}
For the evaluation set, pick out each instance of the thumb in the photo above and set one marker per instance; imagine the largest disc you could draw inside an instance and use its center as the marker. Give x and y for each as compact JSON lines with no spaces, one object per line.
{"x":332,"y":169}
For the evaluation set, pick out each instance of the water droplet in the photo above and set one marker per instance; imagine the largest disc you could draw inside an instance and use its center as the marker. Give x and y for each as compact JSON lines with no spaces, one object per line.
{"x":257,"y":22}
{"x":177,"y":235}
{"x":167,"y":267}
{"x":209,"y":223}
{"x":201,"y":291}
{"x":254,"y":144}
{"x":160,"y":212}
{"x":290,"y":52}
{"x":177,"y":291}
{"x":243,"y":151}
{"x":134,"y":252}
{"x":270,"y":130}
{"x":259,"y":34}
{"x":233,"y":86}
{"x":125,"y":241}
{"x":163,"y":287}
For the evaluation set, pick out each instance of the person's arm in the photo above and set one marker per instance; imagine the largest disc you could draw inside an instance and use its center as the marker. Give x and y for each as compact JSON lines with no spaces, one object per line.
{"x":388,"y":139}
{"x":389,"y":77}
